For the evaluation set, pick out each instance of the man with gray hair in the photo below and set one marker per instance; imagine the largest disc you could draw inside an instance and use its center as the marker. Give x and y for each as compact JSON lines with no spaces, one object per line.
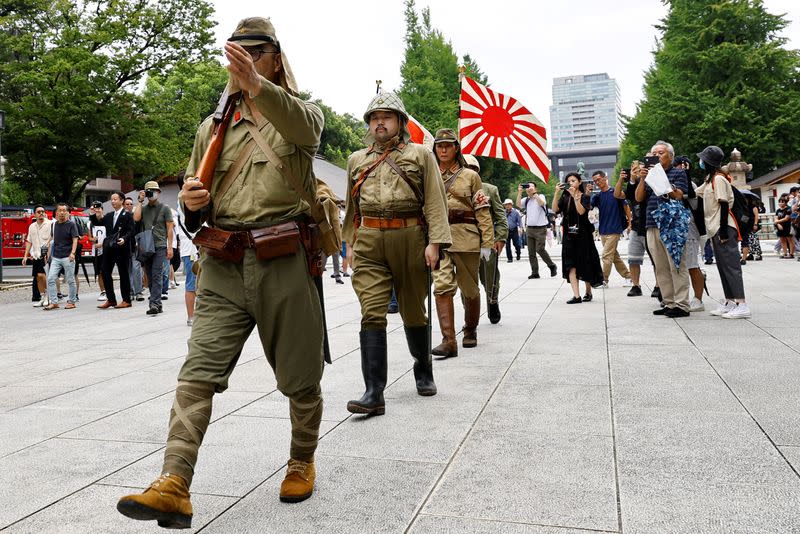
{"x":673,"y":281}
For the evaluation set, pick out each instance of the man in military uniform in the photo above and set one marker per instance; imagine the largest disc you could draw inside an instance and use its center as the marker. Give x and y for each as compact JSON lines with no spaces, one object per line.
{"x":473,"y":238}
{"x":395,"y":224}
{"x":250,"y":288}
{"x":489,"y":273}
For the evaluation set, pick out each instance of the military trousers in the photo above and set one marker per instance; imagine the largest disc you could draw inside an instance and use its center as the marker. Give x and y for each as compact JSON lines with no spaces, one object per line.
{"x":458,"y":270}
{"x":277,"y":296}
{"x":486,"y":269}
{"x":386,"y":259}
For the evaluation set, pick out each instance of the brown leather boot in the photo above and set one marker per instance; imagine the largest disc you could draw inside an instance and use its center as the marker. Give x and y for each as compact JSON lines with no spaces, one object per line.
{"x":472,"y":313}
{"x":298,"y":485}
{"x":166,"y":501}
{"x":448,"y":348}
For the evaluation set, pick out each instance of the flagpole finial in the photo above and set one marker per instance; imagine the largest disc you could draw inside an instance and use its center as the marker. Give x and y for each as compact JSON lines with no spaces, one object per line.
{"x":461,"y":72}
{"x":378,"y":86}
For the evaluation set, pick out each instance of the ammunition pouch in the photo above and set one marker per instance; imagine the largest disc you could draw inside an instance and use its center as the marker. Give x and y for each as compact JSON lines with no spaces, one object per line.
{"x":461,"y":217}
{"x":268,"y":242}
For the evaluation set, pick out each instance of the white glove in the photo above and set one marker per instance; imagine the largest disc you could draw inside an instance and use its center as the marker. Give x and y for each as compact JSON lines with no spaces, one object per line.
{"x":485,"y":253}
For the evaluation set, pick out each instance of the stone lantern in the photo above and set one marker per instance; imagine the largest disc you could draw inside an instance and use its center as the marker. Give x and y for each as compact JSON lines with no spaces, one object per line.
{"x":738,"y":169}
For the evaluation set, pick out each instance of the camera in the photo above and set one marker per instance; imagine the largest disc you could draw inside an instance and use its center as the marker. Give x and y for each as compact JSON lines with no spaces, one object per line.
{"x":627,"y":172}
{"x":525,"y":186}
{"x":149,"y":193}
{"x":97,"y":204}
{"x":651,"y":161}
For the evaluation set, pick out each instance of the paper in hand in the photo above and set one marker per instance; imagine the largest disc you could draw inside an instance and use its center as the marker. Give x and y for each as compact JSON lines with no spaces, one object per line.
{"x":658,"y":181}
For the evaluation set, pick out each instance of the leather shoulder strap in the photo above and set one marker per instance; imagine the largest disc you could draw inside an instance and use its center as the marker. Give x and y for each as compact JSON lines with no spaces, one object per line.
{"x":232,"y":174}
{"x":450,"y":181}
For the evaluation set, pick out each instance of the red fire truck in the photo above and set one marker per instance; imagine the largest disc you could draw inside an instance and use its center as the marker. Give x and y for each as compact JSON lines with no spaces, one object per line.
{"x":16,"y":221}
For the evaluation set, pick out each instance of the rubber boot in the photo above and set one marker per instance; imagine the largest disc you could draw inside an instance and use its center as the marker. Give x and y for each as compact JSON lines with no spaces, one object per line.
{"x":373,"y":367}
{"x":472,"y":313}
{"x":417,"y":337}
{"x":494,"y":312}
{"x":448,"y":348}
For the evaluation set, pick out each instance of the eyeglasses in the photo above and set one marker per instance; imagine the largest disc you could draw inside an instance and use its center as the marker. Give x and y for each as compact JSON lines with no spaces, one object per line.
{"x":256,"y":53}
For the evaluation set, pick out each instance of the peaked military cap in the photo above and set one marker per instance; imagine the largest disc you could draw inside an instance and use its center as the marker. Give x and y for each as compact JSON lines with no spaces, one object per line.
{"x":445,"y":135}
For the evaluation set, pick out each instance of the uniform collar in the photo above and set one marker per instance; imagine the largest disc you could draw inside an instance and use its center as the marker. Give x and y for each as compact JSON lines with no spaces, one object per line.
{"x":394,"y":143}
{"x":452,"y":170}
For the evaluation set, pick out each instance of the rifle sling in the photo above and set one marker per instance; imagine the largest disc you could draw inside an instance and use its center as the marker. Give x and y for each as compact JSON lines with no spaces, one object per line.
{"x":417,"y":193}
{"x":450,"y":181}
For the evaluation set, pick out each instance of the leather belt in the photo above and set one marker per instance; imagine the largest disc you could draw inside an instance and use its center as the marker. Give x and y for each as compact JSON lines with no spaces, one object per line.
{"x":461,"y":217}
{"x":386,"y":223}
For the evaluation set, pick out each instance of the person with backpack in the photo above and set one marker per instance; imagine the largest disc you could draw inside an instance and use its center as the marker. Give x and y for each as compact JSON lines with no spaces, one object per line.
{"x":724,"y":229}
{"x":155,"y":217}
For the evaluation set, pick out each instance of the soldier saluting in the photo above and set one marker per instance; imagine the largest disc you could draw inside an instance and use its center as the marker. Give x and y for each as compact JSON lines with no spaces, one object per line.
{"x":473,"y":238}
{"x":395,"y":223}
{"x":255,"y":269}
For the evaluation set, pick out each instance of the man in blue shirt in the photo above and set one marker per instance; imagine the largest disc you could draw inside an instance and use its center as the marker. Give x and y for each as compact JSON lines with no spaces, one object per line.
{"x":674,"y":282}
{"x":613,"y":221}
{"x":514,"y":225}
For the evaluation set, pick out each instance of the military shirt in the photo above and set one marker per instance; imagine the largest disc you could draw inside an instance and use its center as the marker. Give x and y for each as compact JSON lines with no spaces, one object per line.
{"x":385,"y":193}
{"x":260,"y":195}
{"x":465,"y":193}
{"x":498,"y":212}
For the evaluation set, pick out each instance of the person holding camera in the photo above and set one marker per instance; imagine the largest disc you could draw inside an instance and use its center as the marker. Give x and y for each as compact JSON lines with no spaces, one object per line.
{"x":116,"y":249}
{"x":672,"y":281}
{"x":579,"y":257}
{"x":37,"y":243}
{"x":536,"y":223}
{"x":157,"y":218}
{"x":612,"y":221}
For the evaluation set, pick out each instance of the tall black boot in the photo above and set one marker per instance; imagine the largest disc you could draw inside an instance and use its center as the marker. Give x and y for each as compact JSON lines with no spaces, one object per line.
{"x":417,"y":337}
{"x":373,"y":367}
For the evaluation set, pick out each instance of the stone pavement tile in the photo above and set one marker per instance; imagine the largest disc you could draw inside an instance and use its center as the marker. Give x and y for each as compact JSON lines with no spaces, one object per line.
{"x":93,"y":509}
{"x":716,"y":461}
{"x":792,"y":454}
{"x":696,"y":394}
{"x":238,"y":453}
{"x":788,"y":334}
{"x":14,"y":397}
{"x":117,"y":393}
{"x":531,"y":478}
{"x":434,"y":524}
{"x":38,"y":424}
{"x":92,"y":372}
{"x":783,"y":319}
{"x":587,"y":369}
{"x":548,"y":409}
{"x":669,"y":333}
{"x":352,"y":495}
{"x":659,"y":505}
{"x":148,"y":421}
{"x":555,"y":341}
{"x":31,"y":366}
{"x":43,"y":474}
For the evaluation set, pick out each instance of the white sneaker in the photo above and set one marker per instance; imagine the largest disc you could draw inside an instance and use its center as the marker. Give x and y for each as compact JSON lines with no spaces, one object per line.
{"x":173,"y":285}
{"x":40,"y":304}
{"x":724,"y":308}
{"x":627,"y":283}
{"x":740,"y":311}
{"x":696,"y":305}
{"x":102,"y":297}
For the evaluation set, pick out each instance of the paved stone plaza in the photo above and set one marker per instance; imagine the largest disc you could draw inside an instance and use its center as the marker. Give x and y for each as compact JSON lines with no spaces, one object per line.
{"x":565,"y":419}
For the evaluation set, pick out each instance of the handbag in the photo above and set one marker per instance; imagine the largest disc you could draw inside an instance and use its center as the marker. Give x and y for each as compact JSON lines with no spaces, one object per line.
{"x":145,"y":246}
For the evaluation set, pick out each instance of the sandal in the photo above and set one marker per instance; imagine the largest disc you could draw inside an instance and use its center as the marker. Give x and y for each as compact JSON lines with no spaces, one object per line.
{"x":69,"y":306}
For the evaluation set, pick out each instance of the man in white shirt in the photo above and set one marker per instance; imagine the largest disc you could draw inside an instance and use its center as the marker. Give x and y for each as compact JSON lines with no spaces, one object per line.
{"x":188,"y":254}
{"x":536,"y":224}
{"x":36,"y":244}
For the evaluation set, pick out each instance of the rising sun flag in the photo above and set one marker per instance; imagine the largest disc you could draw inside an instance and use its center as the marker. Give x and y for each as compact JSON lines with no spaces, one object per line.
{"x":498,"y":126}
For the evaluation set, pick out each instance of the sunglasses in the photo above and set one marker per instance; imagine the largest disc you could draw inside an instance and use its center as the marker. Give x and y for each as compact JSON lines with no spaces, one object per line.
{"x":256,"y":53}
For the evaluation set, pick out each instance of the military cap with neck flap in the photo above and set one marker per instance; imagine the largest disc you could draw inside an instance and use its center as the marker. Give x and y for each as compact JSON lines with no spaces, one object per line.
{"x":254,"y":31}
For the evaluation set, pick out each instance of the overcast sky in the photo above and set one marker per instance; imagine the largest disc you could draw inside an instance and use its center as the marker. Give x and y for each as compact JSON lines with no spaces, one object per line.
{"x":338,"y":49}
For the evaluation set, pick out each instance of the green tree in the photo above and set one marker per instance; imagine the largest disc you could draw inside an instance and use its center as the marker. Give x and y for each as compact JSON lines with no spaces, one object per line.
{"x":341,"y":136}
{"x":173,"y":105}
{"x":68,"y":78}
{"x":721,"y":75}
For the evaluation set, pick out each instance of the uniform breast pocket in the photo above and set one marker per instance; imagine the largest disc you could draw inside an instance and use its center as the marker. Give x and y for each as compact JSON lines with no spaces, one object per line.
{"x":219,"y":171}
{"x":267,"y":180}
{"x":412,"y":172}
{"x":461,"y":190}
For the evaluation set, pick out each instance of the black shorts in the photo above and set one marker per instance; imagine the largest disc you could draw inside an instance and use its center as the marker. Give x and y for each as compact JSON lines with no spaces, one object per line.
{"x":37,"y":267}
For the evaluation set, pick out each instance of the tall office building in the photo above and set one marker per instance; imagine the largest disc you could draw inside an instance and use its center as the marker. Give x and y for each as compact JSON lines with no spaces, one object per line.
{"x":585,"y":123}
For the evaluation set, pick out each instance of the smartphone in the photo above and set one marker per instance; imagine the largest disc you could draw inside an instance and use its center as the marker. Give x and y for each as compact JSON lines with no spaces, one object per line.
{"x":651,"y":161}
{"x":627,"y":172}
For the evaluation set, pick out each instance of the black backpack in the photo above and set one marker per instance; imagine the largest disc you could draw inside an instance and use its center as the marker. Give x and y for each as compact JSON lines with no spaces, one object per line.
{"x":742,"y":213}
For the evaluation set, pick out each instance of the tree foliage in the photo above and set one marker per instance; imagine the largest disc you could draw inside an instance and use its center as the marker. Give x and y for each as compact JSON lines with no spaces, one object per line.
{"x":430,"y":90}
{"x":722,"y":76}
{"x":68,"y":75}
{"x":341,"y":136}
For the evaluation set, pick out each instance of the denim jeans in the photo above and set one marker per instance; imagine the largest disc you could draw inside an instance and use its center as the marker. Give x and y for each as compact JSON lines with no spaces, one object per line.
{"x":154,"y":267}
{"x":56,"y":265}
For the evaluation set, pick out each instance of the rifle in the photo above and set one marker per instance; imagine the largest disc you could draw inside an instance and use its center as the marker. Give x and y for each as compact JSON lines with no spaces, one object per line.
{"x":222,"y":117}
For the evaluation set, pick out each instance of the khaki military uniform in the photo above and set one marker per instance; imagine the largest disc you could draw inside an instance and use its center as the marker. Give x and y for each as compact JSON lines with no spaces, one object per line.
{"x":459,"y":267}
{"x":500,"y":225}
{"x":387,"y":258}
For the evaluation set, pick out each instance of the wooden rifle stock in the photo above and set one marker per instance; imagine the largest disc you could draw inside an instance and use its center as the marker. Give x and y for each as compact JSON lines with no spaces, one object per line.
{"x":222,"y":117}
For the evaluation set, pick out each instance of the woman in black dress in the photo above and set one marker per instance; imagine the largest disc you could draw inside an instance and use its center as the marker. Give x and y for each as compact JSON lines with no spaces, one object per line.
{"x":579,"y":257}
